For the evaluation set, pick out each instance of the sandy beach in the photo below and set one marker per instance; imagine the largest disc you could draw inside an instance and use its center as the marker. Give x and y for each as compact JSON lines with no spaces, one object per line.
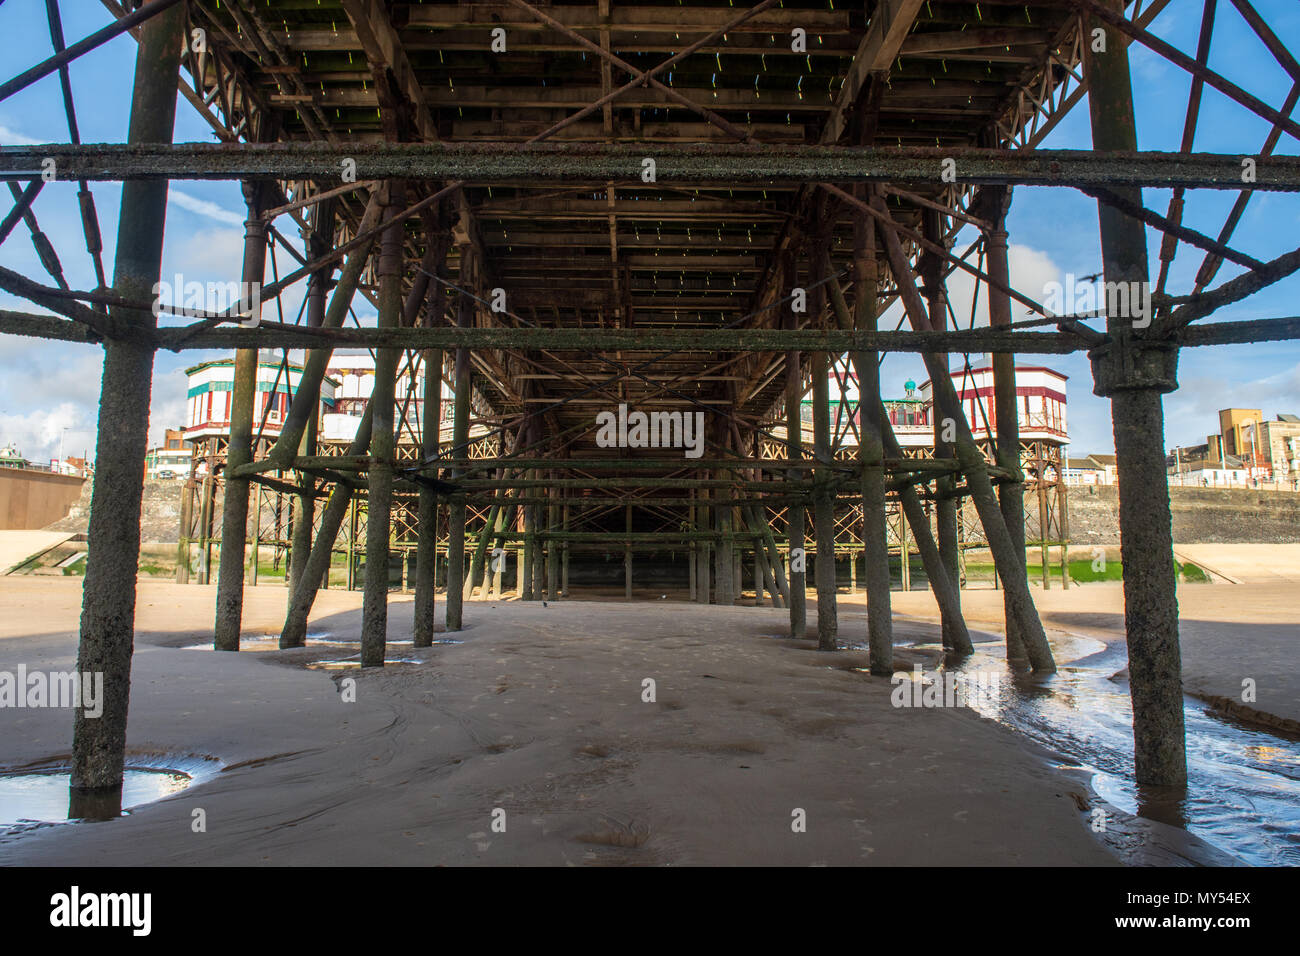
{"x":537,"y":719}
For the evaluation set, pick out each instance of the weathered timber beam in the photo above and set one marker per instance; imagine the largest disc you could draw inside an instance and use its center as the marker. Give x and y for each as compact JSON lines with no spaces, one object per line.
{"x":627,"y":17}
{"x":386,"y":54}
{"x":890,"y":23}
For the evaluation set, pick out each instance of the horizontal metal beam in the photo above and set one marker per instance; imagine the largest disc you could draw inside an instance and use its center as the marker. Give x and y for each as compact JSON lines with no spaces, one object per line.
{"x":631,"y":340}
{"x":468,"y":486}
{"x":277,"y":336}
{"x":643,"y":464}
{"x":679,"y":164}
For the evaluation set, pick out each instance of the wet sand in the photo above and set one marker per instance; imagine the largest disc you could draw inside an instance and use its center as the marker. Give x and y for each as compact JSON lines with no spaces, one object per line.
{"x":539,"y":713}
{"x":1229,"y":633}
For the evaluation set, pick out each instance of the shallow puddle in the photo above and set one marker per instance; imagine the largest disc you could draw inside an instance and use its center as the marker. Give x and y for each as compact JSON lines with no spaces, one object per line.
{"x":350,"y":662}
{"x":42,"y":796}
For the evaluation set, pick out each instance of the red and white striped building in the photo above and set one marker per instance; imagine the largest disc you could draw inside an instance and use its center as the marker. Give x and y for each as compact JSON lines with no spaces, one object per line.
{"x":1040,"y":401}
{"x":208,"y":410}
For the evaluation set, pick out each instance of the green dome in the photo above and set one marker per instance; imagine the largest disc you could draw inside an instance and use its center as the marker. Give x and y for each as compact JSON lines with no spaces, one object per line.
{"x":909,"y":385}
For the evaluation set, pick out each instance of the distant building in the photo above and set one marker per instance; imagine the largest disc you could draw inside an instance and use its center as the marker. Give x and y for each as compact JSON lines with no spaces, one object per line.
{"x":355,"y":374}
{"x":1232,"y":425}
{"x":1225,"y":475}
{"x":1083,"y":471}
{"x":1260,"y":450}
{"x":1040,"y":402}
{"x":1091,"y":470}
{"x":170,"y":459}
{"x":76,"y":467}
{"x":209,"y":398}
{"x":11,"y":457}
{"x":1276,"y":447}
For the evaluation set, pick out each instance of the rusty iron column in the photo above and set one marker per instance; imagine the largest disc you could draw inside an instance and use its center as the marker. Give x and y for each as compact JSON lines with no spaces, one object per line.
{"x":460,"y":452}
{"x":525,"y":573}
{"x":379,"y":498}
{"x":239,"y":450}
{"x":703,"y":565}
{"x":187,"y":527}
{"x":871,"y":452}
{"x":627,"y":555}
{"x":778,"y":584}
{"x":315,"y":574}
{"x":694,"y":546}
{"x":973,"y":464}
{"x":208,"y":490}
{"x":1063,"y":521}
{"x":904,"y":550}
{"x":1133,"y":373}
{"x":1044,"y":523}
{"x":426,"y":548}
{"x":342,"y":501}
{"x":912,"y":512}
{"x":499,"y":561}
{"x":108,"y":593}
{"x":945,"y":506}
{"x":539,"y":551}
{"x":1006,"y":407}
{"x":553,"y":548}
{"x":823,"y":501}
{"x":795,"y":510}
{"x":479,"y":563}
{"x":564,"y":556}
{"x":724,"y":565}
{"x":255,"y":528}
{"x":305,"y":403}
{"x":318,"y":241}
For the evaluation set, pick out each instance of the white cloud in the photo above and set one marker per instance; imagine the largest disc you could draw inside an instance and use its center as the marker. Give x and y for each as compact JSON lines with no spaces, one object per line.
{"x":205,"y":255}
{"x":11,"y":137}
{"x":1031,"y":270}
{"x":203,"y":207}
{"x":167,"y":404}
{"x":37,"y":433}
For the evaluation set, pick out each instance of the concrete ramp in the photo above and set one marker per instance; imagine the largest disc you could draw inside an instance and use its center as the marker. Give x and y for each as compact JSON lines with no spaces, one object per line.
{"x":1242,"y":563}
{"x":19,"y":547}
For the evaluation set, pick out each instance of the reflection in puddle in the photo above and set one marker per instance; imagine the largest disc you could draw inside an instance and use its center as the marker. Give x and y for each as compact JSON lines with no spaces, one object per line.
{"x":271,"y":642}
{"x":1243,"y":793}
{"x":42,"y":796}
{"x":350,"y":662}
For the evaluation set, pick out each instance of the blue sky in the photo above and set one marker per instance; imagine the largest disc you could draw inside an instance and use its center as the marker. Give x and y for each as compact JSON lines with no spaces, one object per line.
{"x":51,"y":390}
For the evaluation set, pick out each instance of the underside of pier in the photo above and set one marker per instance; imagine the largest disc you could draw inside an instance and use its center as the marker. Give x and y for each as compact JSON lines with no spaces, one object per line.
{"x":631,"y":243}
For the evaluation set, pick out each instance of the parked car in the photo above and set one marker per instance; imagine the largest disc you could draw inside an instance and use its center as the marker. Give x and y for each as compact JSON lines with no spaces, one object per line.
{"x":166,"y":475}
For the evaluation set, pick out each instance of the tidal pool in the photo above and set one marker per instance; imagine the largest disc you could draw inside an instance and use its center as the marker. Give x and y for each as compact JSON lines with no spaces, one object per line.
{"x":35,"y":797}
